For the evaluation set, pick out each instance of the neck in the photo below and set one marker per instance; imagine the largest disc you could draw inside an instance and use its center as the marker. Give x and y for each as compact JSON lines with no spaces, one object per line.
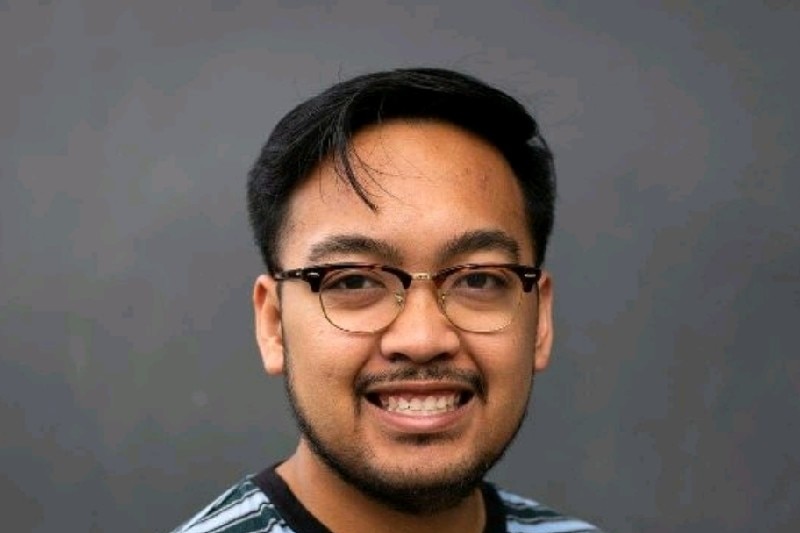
{"x":333,"y":501}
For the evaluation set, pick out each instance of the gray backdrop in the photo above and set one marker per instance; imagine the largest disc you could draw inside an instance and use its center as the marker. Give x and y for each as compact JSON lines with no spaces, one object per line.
{"x":131,"y":391}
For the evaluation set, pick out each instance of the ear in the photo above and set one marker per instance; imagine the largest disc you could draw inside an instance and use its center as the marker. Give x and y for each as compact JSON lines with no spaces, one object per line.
{"x":544,"y":330}
{"x":269,"y":336}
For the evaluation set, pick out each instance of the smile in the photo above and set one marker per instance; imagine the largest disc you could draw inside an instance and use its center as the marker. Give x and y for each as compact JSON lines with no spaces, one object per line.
{"x":416,"y":404}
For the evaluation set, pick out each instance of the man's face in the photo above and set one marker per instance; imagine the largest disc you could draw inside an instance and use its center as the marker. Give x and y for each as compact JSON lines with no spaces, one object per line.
{"x":434,"y":185}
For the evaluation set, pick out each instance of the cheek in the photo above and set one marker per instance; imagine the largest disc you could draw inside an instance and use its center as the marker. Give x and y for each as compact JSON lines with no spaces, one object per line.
{"x":509,"y":352}
{"x":506,"y":362}
{"x":323,"y":358}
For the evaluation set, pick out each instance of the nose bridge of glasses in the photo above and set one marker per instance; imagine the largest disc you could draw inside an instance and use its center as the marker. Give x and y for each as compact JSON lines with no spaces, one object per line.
{"x":422,"y":276}
{"x":436,"y":278}
{"x":437,"y":284}
{"x":401,"y":298}
{"x":407,"y":277}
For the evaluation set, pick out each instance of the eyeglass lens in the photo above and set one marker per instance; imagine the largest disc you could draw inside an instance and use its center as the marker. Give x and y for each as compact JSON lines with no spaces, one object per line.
{"x":364,"y":299}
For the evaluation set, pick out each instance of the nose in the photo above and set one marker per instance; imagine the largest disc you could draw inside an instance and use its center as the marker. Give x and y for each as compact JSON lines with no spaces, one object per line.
{"x":421,"y":332}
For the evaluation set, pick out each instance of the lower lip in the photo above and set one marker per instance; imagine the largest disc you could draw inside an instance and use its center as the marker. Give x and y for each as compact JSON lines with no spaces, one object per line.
{"x":396,"y":421}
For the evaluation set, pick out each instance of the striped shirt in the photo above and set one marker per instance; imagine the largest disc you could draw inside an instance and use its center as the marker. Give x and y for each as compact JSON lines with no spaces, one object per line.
{"x":265,"y":504}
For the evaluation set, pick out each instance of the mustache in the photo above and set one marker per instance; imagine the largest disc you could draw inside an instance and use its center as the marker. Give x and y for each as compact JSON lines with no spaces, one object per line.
{"x":469,"y":378}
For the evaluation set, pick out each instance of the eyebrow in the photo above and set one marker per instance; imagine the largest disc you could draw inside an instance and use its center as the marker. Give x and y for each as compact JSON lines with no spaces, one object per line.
{"x":470,"y":242}
{"x":353,"y":244}
{"x":480,"y":240}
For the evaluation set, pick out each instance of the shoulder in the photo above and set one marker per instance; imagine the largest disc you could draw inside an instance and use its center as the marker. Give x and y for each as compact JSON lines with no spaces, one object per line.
{"x":524,"y":515}
{"x":243,"y":508}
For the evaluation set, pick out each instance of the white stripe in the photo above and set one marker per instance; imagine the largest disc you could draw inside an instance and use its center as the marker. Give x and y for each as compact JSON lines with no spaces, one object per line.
{"x":563,"y":526}
{"x":252,"y":504}
{"x":517,"y":500}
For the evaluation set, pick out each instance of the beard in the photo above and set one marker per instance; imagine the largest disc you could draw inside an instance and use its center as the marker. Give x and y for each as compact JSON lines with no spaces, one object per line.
{"x":407,"y":493}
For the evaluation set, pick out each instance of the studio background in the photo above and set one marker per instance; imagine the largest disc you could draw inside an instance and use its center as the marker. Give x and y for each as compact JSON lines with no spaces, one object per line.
{"x":131,"y":390}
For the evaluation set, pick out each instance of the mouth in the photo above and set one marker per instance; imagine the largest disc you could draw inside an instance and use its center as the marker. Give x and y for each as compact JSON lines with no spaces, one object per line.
{"x":420,"y":404}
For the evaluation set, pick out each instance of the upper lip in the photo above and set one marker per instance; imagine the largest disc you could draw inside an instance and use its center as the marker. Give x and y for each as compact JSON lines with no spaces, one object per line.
{"x":421,"y":381}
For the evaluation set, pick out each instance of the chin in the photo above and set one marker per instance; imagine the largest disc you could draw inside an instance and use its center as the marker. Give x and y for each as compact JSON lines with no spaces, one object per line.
{"x":423,"y":479}
{"x":419,"y":489}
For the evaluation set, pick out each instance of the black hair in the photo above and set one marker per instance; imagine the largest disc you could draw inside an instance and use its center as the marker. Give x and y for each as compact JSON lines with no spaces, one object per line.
{"x":324,"y":126}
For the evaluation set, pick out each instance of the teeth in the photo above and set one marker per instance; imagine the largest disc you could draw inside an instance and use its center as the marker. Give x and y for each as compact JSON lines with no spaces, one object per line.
{"x":419,"y":405}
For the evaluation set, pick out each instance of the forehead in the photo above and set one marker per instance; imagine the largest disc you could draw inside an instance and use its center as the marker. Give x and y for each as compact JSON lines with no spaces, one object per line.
{"x":430,"y":182}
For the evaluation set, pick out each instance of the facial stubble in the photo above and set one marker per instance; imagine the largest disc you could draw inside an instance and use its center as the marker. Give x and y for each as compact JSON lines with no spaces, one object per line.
{"x":407,"y":494}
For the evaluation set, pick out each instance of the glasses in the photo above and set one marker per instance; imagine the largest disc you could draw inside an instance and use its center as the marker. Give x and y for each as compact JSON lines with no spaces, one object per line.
{"x":366,"y":298}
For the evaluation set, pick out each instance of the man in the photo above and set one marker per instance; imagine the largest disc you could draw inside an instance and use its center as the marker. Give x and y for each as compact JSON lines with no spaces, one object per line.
{"x":403,"y":217}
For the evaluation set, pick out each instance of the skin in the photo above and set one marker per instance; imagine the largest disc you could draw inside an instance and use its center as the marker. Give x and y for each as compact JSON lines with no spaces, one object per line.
{"x":433,"y":183}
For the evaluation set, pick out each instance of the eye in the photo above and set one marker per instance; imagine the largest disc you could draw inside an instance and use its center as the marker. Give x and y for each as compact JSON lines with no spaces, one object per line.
{"x":485,"y":280}
{"x":353,"y":290}
{"x":353,"y":280}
